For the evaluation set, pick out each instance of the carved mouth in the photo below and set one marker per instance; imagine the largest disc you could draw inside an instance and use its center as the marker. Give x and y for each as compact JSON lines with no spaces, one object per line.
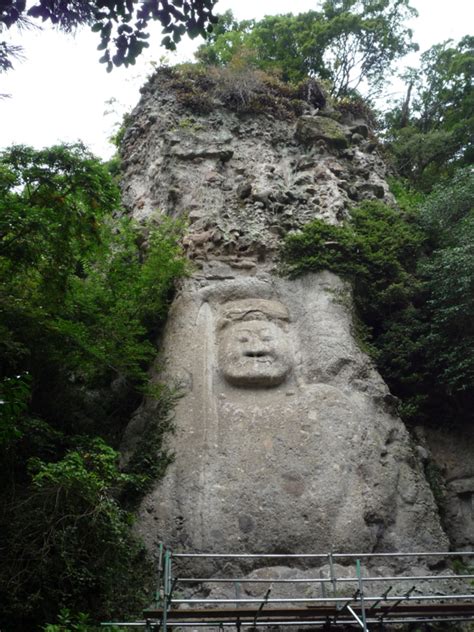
{"x":259,"y":357}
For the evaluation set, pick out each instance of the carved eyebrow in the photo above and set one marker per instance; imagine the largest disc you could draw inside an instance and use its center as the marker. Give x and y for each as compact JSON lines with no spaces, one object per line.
{"x":249,"y":314}
{"x":253,"y":312}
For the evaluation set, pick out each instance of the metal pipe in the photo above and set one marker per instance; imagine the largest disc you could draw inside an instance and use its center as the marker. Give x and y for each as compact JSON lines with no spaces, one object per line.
{"x":170,"y":577}
{"x":324,"y":555}
{"x":315,"y":580}
{"x":252,"y":555}
{"x":432,"y":554}
{"x":434,"y":620}
{"x":395,"y":621}
{"x":322,"y":599}
{"x":263,"y":623}
{"x":332,"y":574}
{"x":340,"y":610}
{"x":323,"y":587}
{"x":166,"y":595}
{"x":237,"y":591}
{"x":357,"y":618}
{"x":315,"y":622}
{"x":246,"y":580}
{"x":160,"y":569}
{"x":405,"y":578}
{"x":361,"y":594}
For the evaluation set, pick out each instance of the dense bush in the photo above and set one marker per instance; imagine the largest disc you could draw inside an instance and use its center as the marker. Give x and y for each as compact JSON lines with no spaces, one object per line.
{"x":240,"y":88}
{"x":377,"y":249}
{"x":412,"y":276}
{"x":69,"y":541}
{"x":447,"y":218}
{"x":81,"y":305}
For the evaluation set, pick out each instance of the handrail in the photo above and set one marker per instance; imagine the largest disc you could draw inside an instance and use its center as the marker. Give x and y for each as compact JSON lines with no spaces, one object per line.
{"x":322,"y":599}
{"x":314,"y":580}
{"x":324,"y":555}
{"x":361,"y":609}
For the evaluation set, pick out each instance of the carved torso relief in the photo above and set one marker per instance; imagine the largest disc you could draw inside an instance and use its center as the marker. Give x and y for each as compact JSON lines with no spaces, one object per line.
{"x":273,"y":445}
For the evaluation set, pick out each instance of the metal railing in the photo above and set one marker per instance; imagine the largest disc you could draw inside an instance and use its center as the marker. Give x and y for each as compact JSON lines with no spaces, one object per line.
{"x":360,"y":609}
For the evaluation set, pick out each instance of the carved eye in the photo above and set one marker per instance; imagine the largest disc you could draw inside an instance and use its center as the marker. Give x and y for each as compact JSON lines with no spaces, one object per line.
{"x":243,"y":339}
{"x":267,"y":338}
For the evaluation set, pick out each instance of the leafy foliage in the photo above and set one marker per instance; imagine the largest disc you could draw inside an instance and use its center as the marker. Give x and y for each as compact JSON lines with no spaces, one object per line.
{"x":448,"y":218}
{"x":413,"y":282}
{"x":14,"y":396}
{"x":70,"y":622}
{"x":149,"y":460}
{"x":277,"y":43}
{"x":377,"y":250}
{"x":430,"y":141}
{"x":346,"y":42}
{"x":431,"y":133}
{"x":122,"y":26}
{"x":69,"y":540}
{"x":83,"y":297}
{"x":363,"y":39}
{"x":80,"y":301}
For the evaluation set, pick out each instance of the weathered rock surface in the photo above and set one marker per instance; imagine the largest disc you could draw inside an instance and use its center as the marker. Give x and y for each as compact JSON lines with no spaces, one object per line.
{"x":449,"y":463}
{"x":247,"y":179}
{"x":285,"y":436}
{"x":284,"y":439}
{"x":310,"y":129}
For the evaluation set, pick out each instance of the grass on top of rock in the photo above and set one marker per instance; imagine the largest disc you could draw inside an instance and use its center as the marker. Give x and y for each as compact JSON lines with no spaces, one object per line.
{"x":241,"y":89}
{"x":245,"y":90}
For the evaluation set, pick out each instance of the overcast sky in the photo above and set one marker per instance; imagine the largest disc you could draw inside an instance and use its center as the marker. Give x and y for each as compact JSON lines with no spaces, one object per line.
{"x":61,"y":93}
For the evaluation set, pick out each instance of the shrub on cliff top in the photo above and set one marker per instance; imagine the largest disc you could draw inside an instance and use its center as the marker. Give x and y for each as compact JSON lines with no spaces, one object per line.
{"x":241,"y":89}
{"x":377,"y":251}
{"x":412,"y":276}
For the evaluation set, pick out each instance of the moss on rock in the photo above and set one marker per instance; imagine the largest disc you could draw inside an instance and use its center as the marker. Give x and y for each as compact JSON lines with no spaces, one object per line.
{"x":310,"y":129}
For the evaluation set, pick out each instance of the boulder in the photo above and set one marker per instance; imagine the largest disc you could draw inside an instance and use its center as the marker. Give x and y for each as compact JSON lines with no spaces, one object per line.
{"x":310,"y":129}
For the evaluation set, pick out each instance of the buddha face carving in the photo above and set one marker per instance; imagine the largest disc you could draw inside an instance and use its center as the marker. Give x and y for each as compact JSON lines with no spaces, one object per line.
{"x":253,"y":345}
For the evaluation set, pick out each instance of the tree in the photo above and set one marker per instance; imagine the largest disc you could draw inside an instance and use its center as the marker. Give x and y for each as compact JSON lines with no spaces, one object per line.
{"x":432,"y":132}
{"x":122,"y":25}
{"x":364,"y":38}
{"x":448,"y":219}
{"x":82,"y":298}
{"x":79,"y":301}
{"x":69,"y":541}
{"x":347,"y":42}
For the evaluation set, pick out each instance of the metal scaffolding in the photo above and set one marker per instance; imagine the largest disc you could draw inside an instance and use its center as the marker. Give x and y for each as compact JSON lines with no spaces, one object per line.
{"x":332,"y":611}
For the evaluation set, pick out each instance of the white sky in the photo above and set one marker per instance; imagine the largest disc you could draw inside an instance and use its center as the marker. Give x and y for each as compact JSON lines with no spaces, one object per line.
{"x":60,"y":92}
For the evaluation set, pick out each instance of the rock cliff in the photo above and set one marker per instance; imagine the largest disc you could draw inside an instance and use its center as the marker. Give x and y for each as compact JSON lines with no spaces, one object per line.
{"x":285,"y":436}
